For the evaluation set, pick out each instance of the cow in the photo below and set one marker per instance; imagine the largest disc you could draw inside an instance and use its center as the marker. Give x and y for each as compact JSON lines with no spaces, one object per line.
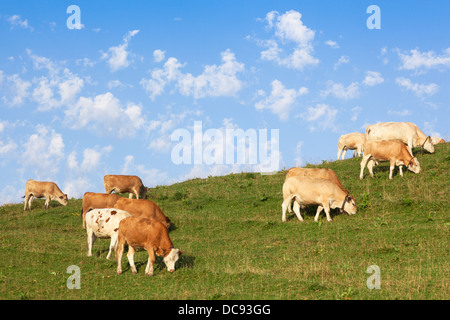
{"x":41,"y":189}
{"x":406,"y":132}
{"x":310,"y":191}
{"x":104,"y":223}
{"x":316,"y":173}
{"x":351,"y":141}
{"x":387,"y":150}
{"x":437,"y":140}
{"x":123,"y":183}
{"x":151,"y":235}
{"x":137,"y":207}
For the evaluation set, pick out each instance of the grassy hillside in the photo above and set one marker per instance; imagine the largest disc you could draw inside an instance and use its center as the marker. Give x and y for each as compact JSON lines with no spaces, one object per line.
{"x":237,"y":247}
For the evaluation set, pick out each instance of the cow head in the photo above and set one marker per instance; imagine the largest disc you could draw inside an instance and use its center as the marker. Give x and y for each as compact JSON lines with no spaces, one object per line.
{"x":349,"y":205}
{"x":171,"y":258}
{"x":413,"y":165}
{"x":143,"y":192}
{"x":62,"y":199}
{"x":428,"y":145}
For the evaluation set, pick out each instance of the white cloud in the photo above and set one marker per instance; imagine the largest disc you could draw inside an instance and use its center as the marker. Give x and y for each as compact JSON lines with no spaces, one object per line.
{"x":105,"y":114}
{"x":417,"y":60}
{"x":322,"y":116}
{"x":339,"y":91}
{"x":332,"y":44}
{"x":401,"y":113}
{"x":77,"y":187}
{"x":17,"y":21}
{"x":150,"y":177}
{"x":355,"y":113}
{"x":42,"y":152}
{"x":373,"y":78}
{"x":289,"y":28}
{"x":118,"y":56}
{"x":342,"y":60}
{"x":215,"y":81}
{"x":419,"y":90}
{"x":158,"y":55}
{"x":7,"y":148}
{"x":17,"y":88}
{"x":280,"y":100}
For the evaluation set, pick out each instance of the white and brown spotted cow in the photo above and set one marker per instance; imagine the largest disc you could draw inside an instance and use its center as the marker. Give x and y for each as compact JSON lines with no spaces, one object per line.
{"x":104,"y":223}
{"x":43,"y":189}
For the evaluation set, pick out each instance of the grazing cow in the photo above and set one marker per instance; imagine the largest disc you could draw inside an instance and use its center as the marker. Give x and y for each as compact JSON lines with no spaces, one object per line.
{"x":406,"y":132}
{"x":351,"y":141}
{"x":123,"y":183}
{"x":41,"y":189}
{"x":388,"y":150}
{"x":437,"y":140}
{"x":310,"y":191}
{"x":137,"y":207}
{"x":148,"y":234}
{"x":104,"y":223}
{"x":316,"y":173}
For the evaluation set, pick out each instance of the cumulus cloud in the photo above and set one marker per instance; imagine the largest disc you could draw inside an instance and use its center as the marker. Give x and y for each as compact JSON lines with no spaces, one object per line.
{"x":118,"y":57}
{"x":158,"y":55}
{"x":289,"y":30}
{"x":214,"y":81}
{"x":42,"y":152}
{"x":340,"y":91}
{"x":342,"y":60}
{"x":17,"y":90}
{"x":419,"y":90}
{"x":104,"y":113}
{"x":373,"y":78}
{"x":281,"y":100}
{"x":322,"y":116}
{"x":17,"y":21}
{"x":424,"y":60}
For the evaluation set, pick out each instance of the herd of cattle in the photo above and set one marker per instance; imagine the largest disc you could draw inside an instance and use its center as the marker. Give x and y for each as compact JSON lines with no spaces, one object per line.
{"x":141,"y":223}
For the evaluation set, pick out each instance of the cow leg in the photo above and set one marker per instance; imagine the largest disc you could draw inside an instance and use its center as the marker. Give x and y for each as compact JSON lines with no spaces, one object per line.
{"x":297,"y":209}
{"x":47,"y":202}
{"x":90,"y":241}
{"x":400,"y":168}
{"x":339,"y":153}
{"x":363,"y":165}
{"x":326,"y":207}
{"x":391,"y":169}
{"x":284,"y":207}
{"x":112,"y":245}
{"x":319,"y":210}
{"x":27,"y":196}
{"x":151,"y":261}
{"x":370,"y":166}
{"x":354,"y":153}
{"x":130,"y":256}
{"x":343,"y":153}
{"x":119,"y":252}
{"x":30,"y":201}
{"x":130,"y":195}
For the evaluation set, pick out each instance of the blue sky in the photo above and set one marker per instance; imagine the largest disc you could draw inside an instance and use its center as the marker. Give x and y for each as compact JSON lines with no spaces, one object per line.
{"x":105,"y":98}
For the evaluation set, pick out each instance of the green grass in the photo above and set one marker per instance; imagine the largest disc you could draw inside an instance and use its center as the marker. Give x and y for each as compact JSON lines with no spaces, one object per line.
{"x":237,"y":247}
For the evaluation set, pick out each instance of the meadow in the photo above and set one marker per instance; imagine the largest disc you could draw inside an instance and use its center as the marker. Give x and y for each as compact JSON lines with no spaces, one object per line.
{"x":236,"y":246}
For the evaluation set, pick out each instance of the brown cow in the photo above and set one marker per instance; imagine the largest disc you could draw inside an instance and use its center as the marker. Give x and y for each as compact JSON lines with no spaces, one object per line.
{"x":395,"y":152}
{"x":351,"y":141}
{"x":123,"y":183}
{"x":316,"y":173}
{"x":41,"y":189}
{"x":136,"y":207}
{"x":311,"y":191}
{"x":150,"y":235}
